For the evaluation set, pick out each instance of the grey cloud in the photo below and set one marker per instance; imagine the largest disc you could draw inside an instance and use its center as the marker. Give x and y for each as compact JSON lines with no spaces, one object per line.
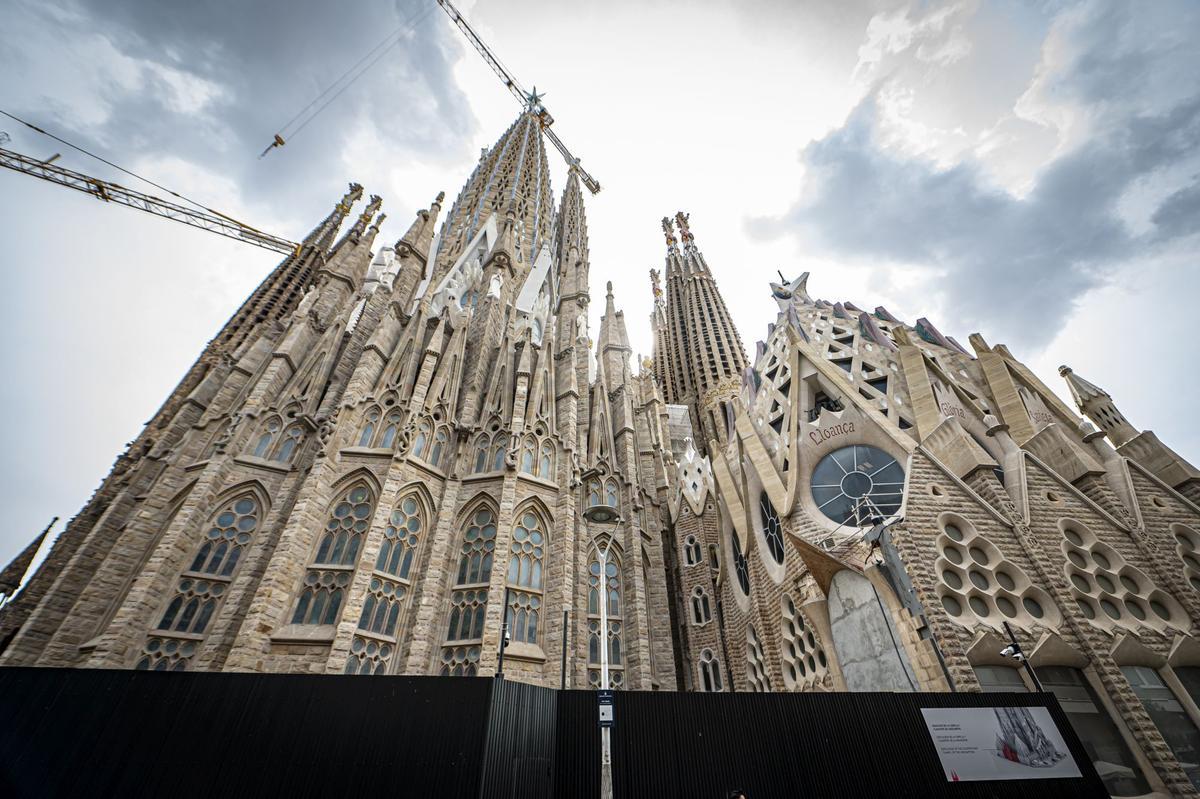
{"x":1010,"y":266}
{"x":269,"y":58}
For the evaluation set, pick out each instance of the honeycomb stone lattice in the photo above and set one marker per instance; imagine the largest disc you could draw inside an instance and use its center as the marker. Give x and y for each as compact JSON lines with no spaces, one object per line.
{"x":1110,"y":592}
{"x":756,"y":663}
{"x":804,"y":663}
{"x":1187,"y":546}
{"x":978,"y":585}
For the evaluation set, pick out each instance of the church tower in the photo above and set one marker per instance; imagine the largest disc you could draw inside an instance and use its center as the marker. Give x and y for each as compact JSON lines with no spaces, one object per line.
{"x":698,"y":354}
{"x":380,"y":459}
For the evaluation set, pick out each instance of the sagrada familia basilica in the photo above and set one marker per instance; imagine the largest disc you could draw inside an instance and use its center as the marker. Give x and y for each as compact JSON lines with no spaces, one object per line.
{"x":386,"y":454}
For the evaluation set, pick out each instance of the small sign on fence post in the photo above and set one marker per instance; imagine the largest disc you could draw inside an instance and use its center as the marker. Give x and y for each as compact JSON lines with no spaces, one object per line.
{"x":605,"y":701}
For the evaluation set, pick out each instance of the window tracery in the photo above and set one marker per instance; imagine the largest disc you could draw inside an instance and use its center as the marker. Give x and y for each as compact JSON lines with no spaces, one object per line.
{"x":1187,"y":547}
{"x":771,"y":526}
{"x":490,"y":450}
{"x":271,"y":444}
{"x":328,"y":574}
{"x":201,"y":585}
{"x":804,"y":662}
{"x":372,"y":647}
{"x":537,"y":455}
{"x":1111,"y":592}
{"x":606,"y":587}
{"x":468,"y":597}
{"x":691,"y":551}
{"x":710,"y":672}
{"x":740,"y":567}
{"x":525,"y":578}
{"x":756,"y":663}
{"x":979,"y":584}
{"x":431,"y":441}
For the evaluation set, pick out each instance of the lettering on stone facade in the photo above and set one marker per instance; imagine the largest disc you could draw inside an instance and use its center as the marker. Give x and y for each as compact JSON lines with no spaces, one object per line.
{"x":826,"y":433}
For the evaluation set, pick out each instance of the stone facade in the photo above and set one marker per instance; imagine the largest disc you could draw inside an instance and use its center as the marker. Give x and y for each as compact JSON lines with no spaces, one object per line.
{"x":1004,"y":509}
{"x":376,"y":453}
{"x":384,"y":455}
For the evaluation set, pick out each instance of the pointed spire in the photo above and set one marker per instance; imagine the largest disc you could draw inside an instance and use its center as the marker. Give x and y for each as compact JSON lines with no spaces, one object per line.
{"x":14,"y":572}
{"x":1098,"y":406}
{"x":669,"y":231}
{"x":420,"y":233}
{"x":685,"y":233}
{"x":323,"y":234}
{"x":1082,"y":391}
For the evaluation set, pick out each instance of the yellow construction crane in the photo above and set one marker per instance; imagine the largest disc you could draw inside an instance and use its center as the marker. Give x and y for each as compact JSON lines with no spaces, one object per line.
{"x":529,"y":99}
{"x":212,"y":221}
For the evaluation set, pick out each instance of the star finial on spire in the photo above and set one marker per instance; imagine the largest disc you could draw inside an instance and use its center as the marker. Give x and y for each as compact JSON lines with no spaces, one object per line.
{"x":533,"y":99}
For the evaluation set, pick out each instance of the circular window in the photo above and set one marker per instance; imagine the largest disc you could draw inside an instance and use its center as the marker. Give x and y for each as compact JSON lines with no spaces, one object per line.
{"x":1086,"y":609}
{"x":1006,"y":606}
{"x":979,"y":606}
{"x":856,"y":483}
{"x":953,"y":555}
{"x":1101,"y":561}
{"x":1081,"y":583}
{"x":1073,"y":537}
{"x":952,"y":579}
{"x":1136,"y":609}
{"x":951,"y":605}
{"x":1033,"y":607}
{"x":1006,"y":581}
{"x":954,"y":532}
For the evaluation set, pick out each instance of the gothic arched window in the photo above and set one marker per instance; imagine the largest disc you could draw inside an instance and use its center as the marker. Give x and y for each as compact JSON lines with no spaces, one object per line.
{"x":604,"y":585}
{"x":701,"y":611}
{"x":368,"y":429}
{"x":328,"y":575}
{"x":440,"y":439}
{"x":691,"y":551}
{"x":595,"y":497}
{"x":546,"y":468}
{"x":610,"y":493}
{"x":400,"y":539}
{"x":391,"y":426}
{"x":482,"y":449}
{"x":200,"y":587}
{"x":468,"y":598}
{"x":525,"y":578}
{"x":267,"y":438}
{"x":499,"y":450}
{"x":710,"y":672}
{"x":292,"y":438}
{"x":424,"y":433}
{"x":529,"y":455}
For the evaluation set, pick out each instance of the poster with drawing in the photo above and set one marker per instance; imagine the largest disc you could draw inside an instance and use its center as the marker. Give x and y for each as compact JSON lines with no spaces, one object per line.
{"x":999,"y":743}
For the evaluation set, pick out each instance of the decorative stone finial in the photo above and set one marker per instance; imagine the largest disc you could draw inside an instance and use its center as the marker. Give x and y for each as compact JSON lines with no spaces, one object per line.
{"x":669,"y":232}
{"x":685,"y":233}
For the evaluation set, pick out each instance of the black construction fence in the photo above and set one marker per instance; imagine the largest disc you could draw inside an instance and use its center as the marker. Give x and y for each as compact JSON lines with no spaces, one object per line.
{"x":76,"y":733}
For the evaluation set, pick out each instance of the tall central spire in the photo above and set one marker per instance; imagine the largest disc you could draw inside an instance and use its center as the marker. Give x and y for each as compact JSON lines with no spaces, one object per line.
{"x":512,"y":177}
{"x":698,"y":353}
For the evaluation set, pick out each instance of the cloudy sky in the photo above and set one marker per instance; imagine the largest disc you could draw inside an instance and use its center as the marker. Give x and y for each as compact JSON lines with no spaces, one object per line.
{"x":1026,"y":170}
